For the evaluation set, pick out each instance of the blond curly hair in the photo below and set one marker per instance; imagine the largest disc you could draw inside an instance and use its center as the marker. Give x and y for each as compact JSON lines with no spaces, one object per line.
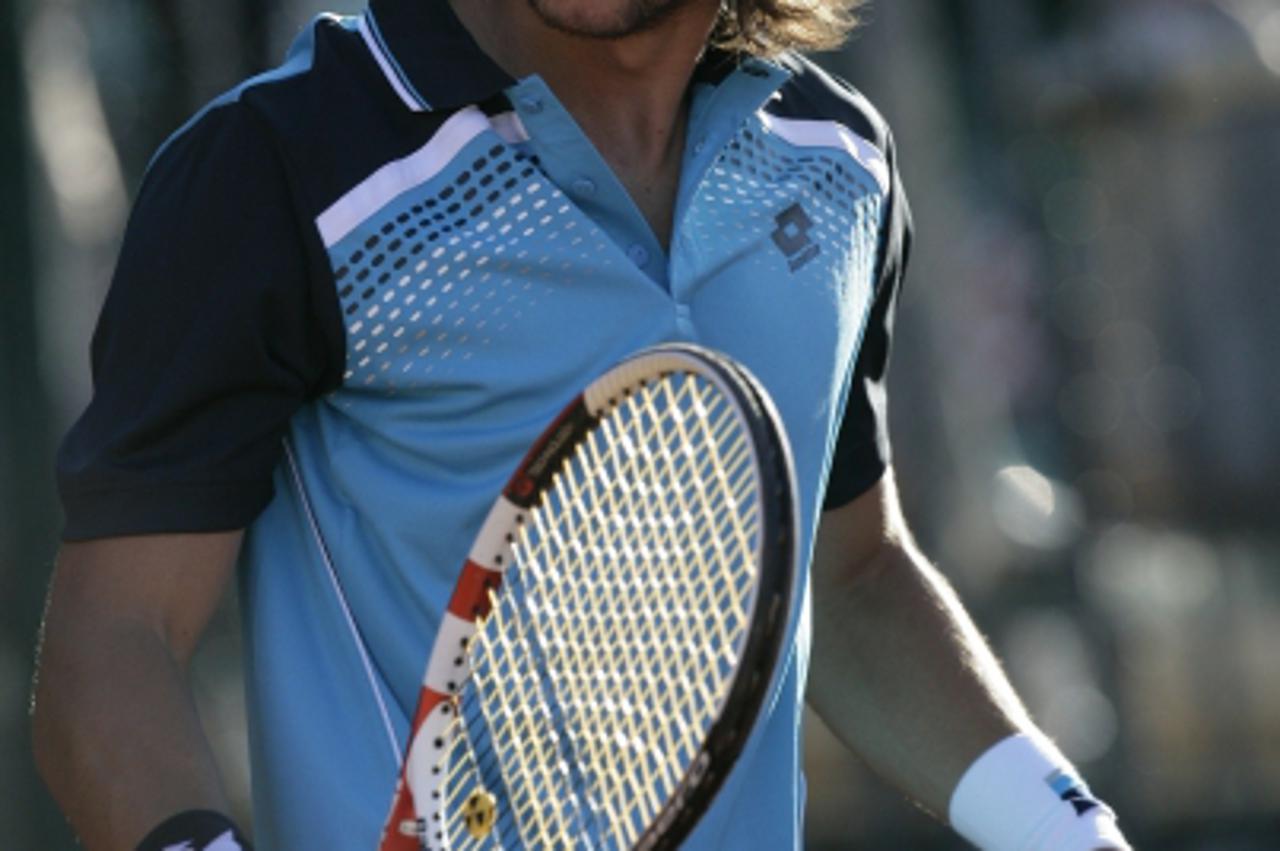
{"x":768,"y":27}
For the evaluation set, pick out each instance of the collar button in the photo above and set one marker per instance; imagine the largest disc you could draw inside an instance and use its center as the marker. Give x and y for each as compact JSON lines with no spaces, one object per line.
{"x":531,"y":104}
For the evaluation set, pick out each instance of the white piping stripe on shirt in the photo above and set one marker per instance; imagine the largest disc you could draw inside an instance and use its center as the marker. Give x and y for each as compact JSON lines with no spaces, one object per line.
{"x":336,"y":584}
{"x":830,"y":134}
{"x":378,"y":189}
{"x":387,"y":64}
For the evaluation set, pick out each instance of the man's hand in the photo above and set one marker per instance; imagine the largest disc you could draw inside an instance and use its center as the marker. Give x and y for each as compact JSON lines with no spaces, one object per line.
{"x":115,"y":732}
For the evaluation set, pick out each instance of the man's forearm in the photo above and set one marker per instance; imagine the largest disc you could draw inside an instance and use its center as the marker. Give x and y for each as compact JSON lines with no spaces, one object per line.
{"x":903,"y":677}
{"x":116,"y":734}
{"x":119,"y":742}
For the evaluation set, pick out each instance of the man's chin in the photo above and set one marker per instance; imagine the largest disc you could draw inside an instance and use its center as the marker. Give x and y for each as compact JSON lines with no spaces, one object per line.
{"x":603,"y":19}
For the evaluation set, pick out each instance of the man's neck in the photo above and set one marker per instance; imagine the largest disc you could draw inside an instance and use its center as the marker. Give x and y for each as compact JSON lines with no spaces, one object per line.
{"x":628,"y":94}
{"x":631,"y":87}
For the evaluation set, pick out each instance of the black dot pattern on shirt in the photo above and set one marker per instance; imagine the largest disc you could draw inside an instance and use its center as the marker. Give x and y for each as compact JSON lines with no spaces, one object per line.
{"x":409,"y":233}
{"x":451,"y":283}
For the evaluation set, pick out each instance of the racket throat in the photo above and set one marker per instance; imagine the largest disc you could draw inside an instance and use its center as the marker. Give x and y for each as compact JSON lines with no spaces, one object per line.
{"x":416,"y":828}
{"x":479,"y":814}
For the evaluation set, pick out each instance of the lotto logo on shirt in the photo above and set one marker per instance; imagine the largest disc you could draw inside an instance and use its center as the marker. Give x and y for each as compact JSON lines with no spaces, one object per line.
{"x":792,"y":236}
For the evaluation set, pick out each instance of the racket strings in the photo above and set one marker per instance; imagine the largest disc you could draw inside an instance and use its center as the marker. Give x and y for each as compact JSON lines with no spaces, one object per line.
{"x":538,"y":757}
{"x":628,"y":604}
{"x":664,"y":749}
{"x":653,"y":750}
{"x":491,"y":713}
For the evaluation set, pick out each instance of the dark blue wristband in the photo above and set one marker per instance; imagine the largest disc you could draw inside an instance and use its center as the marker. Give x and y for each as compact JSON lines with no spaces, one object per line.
{"x":196,"y":830}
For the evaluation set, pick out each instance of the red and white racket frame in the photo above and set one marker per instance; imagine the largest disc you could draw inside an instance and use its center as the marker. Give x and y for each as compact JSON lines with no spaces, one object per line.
{"x":419,"y":796}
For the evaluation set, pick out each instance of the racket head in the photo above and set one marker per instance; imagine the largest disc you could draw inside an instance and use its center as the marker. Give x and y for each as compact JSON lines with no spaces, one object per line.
{"x":649,"y":410}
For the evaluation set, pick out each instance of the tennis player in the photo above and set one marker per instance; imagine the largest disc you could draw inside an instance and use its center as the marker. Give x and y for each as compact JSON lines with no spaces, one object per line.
{"x":351,"y":292}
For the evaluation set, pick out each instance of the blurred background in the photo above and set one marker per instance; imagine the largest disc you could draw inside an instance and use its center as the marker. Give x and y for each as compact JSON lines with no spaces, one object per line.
{"x":1084,"y":396}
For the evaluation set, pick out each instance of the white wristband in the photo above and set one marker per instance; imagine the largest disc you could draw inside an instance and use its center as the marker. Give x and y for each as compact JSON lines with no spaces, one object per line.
{"x":1019,"y":796}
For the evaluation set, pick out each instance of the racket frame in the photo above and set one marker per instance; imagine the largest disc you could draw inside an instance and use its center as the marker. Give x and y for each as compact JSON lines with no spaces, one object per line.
{"x":410,"y":825}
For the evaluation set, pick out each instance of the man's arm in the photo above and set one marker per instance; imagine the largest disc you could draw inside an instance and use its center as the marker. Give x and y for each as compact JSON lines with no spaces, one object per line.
{"x":900,"y":673}
{"x":114,"y":727}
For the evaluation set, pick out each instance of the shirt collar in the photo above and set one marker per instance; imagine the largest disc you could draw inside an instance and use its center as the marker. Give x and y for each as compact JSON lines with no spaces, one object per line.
{"x":428,"y":56}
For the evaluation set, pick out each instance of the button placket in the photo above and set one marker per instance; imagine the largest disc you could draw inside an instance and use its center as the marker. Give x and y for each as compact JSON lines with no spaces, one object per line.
{"x":569,"y":160}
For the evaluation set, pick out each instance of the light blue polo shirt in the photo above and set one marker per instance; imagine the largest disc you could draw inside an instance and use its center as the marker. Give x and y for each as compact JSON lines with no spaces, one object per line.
{"x":469,"y":262}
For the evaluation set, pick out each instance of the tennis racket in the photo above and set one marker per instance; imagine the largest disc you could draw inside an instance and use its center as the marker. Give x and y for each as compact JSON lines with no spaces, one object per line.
{"x":615,"y":629}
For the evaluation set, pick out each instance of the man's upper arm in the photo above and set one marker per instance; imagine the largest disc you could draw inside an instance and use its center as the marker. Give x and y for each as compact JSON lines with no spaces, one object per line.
{"x":851,"y":534}
{"x":168,"y":585}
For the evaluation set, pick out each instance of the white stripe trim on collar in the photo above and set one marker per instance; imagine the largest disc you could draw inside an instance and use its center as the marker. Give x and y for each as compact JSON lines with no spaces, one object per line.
{"x":387,"y":64}
{"x":830,"y":134}
{"x":378,"y":189}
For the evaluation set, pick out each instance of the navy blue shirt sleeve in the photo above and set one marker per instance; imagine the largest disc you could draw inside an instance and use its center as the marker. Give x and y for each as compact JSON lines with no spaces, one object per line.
{"x":216,"y":329}
{"x":862,"y":452}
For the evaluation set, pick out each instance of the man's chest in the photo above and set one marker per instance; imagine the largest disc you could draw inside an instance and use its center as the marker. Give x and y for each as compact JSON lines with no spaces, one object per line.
{"x":475,"y":265}
{"x":484,"y":280}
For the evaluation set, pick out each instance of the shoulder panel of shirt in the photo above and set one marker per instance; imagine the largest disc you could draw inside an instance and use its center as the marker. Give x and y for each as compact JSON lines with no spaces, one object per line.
{"x":340,"y":121}
{"x":219,"y":324}
{"x":862,"y":452}
{"x":815,"y":93}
